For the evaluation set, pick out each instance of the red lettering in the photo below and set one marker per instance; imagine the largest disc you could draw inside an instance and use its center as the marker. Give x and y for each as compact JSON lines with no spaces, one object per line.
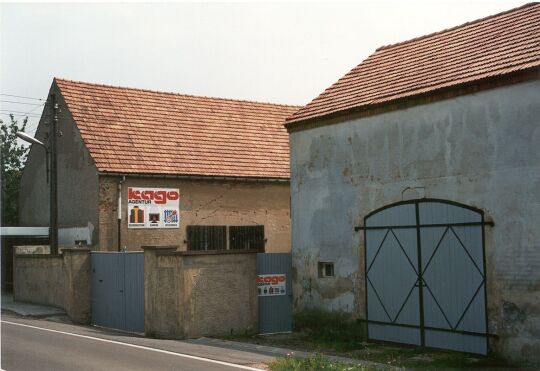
{"x":173,"y":195}
{"x":160,"y":197}
{"x":133,"y":194}
{"x":147,"y":195}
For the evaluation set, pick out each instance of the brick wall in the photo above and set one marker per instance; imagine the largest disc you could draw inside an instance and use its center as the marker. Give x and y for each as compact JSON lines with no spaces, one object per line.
{"x":202,"y":202}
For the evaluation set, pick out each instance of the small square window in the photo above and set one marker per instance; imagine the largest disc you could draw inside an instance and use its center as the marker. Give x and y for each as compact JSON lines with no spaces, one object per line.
{"x":326,"y":269}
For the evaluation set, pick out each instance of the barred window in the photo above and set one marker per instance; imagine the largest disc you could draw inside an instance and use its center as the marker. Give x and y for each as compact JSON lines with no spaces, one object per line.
{"x":206,"y":237}
{"x":246,"y":237}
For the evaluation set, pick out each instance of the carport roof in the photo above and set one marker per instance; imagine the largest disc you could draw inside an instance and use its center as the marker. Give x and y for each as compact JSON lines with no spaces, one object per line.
{"x":492,"y":47}
{"x":147,"y":132}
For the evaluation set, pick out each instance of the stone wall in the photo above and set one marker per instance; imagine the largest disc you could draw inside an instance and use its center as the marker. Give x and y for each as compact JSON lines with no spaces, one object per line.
{"x":61,"y":281}
{"x":202,"y":202}
{"x":479,"y":150}
{"x":192,"y":294}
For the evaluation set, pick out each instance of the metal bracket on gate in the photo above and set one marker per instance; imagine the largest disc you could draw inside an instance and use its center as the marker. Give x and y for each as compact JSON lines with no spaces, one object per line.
{"x":487,"y":222}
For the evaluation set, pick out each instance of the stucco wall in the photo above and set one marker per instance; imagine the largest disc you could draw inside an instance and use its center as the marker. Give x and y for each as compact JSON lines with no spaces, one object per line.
{"x":202,"y":202}
{"x":77,"y":177}
{"x":39,"y":279}
{"x":191,"y":294}
{"x":61,"y":281}
{"x":480,"y":150}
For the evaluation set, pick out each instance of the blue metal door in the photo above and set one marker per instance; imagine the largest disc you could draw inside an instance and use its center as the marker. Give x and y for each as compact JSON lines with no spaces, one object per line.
{"x":275,"y":292}
{"x":118,"y":290}
{"x":425,"y":275}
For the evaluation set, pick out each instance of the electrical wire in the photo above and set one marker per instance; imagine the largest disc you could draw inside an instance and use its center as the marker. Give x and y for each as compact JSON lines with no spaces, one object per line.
{"x":15,"y":102}
{"x":29,"y":116}
{"x":20,"y":96}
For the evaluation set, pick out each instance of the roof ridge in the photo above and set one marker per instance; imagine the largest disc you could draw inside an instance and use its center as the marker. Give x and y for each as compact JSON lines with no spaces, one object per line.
{"x":528,"y":5}
{"x":178,"y":94}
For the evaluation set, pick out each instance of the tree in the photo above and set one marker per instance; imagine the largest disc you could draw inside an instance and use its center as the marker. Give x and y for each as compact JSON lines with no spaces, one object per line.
{"x":12,"y":159}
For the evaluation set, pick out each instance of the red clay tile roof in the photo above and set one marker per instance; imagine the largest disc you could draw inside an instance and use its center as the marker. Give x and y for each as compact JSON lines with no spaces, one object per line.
{"x":486,"y":48}
{"x":141,"y":131}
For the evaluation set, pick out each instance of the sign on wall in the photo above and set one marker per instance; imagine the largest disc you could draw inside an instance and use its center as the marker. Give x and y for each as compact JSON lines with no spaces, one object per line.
{"x":153,"y":207}
{"x":271,"y":284}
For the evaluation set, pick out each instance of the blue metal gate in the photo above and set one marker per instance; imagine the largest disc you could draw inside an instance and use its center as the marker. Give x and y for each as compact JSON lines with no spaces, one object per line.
{"x":275,"y":292}
{"x":118,"y":290}
{"x":425,"y":275}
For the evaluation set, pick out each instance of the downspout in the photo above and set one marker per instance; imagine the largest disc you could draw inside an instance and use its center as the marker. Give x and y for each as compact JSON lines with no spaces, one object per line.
{"x":120,"y":212}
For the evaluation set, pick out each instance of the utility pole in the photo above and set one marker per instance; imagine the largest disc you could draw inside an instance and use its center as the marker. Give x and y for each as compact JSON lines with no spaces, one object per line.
{"x":53,"y":231}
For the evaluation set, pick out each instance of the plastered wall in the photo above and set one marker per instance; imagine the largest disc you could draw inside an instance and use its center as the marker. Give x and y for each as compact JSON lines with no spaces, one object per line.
{"x":61,"y":281}
{"x":77,"y":177}
{"x":480,"y":149}
{"x":191,"y":294}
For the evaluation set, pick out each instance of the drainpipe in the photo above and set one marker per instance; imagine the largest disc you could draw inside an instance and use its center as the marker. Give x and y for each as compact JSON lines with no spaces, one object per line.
{"x":120,"y":212}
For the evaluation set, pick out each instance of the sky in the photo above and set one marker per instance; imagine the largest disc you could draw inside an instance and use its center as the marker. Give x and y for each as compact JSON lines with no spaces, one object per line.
{"x":280,"y":52}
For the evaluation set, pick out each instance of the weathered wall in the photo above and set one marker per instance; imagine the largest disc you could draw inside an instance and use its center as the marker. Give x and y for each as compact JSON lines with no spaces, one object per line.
{"x":480,"y":150}
{"x":163,"y":293}
{"x":220,"y":294}
{"x":77,"y":177}
{"x":202,"y":202}
{"x":39,"y":279}
{"x":189,"y":294}
{"x":61,"y":281}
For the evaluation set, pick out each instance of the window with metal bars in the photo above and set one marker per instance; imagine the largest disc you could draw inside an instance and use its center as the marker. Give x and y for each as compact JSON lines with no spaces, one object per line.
{"x":206,"y":237}
{"x":246,"y":237}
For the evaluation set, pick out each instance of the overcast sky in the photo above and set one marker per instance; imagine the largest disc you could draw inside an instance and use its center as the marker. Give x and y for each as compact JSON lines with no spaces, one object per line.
{"x":273,"y":52}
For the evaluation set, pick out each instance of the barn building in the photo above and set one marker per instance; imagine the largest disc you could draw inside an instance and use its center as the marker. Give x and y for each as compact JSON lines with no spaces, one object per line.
{"x":139,"y":167}
{"x":415,"y":188}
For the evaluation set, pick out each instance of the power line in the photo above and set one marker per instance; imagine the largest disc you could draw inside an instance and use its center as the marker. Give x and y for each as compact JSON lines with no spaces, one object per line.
{"x":11,"y":101}
{"x":20,"y":96}
{"x":32,"y":115}
{"x":21,"y":112}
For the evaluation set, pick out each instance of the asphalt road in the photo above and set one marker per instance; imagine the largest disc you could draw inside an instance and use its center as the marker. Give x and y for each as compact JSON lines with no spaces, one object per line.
{"x":38,"y":345}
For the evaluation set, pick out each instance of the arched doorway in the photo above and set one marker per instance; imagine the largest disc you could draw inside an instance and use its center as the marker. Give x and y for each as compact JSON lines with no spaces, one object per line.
{"x":425,"y":275}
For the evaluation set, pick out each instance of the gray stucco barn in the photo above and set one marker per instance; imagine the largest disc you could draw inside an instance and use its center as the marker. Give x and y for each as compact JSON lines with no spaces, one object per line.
{"x":415,"y":190}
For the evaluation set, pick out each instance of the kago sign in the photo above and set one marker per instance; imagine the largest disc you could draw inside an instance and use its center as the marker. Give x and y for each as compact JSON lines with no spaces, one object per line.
{"x":153,"y":208}
{"x":271,"y":284}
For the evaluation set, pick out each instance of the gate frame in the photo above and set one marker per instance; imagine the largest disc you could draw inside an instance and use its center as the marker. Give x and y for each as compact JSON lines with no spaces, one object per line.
{"x":421,"y":327}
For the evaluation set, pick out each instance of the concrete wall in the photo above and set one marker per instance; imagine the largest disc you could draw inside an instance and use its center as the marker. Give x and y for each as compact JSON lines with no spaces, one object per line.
{"x":189,"y":294}
{"x":61,"y":281}
{"x":202,"y":202}
{"x":480,"y":150}
{"x":77,"y":178}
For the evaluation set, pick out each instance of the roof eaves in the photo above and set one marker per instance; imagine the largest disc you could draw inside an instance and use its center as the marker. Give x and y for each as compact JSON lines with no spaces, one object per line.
{"x":196,"y":177}
{"x":446,"y":92}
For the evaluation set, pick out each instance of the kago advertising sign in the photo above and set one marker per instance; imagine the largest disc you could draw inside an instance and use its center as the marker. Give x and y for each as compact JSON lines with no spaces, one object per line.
{"x":153,"y":208}
{"x":271,"y":284}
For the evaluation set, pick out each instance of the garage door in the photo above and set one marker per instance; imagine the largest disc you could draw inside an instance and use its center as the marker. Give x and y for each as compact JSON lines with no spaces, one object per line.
{"x":425,"y":275}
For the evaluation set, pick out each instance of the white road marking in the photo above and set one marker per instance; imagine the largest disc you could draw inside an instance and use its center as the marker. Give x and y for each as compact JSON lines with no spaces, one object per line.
{"x":139,"y":347}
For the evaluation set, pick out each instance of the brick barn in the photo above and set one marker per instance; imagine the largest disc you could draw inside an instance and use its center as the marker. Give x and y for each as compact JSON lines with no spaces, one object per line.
{"x":139,"y":167}
{"x":415,"y":188}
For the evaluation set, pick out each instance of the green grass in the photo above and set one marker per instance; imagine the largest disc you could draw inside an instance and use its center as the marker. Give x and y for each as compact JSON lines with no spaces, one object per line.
{"x":335,"y":333}
{"x":315,"y":363}
{"x":329,"y":330}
